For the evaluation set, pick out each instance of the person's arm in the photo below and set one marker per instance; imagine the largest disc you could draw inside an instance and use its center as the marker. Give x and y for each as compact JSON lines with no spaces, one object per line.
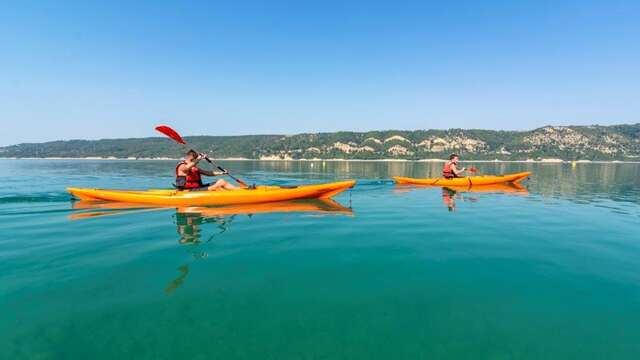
{"x":212,"y":173}
{"x":455,"y":170}
{"x":207,"y":172}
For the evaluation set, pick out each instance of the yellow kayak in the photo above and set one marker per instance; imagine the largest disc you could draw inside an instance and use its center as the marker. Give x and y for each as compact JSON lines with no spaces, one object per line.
{"x":261,"y":194}
{"x":465,"y":181}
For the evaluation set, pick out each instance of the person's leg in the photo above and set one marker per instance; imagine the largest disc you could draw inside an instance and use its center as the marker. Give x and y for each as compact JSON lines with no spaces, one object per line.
{"x":222,"y":184}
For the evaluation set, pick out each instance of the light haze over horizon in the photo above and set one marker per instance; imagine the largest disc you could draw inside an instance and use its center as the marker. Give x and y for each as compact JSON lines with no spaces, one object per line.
{"x":89,"y":70}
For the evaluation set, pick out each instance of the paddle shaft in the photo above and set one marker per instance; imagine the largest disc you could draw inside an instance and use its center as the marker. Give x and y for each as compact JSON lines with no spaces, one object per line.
{"x":226,"y":172}
{"x":169,"y":132}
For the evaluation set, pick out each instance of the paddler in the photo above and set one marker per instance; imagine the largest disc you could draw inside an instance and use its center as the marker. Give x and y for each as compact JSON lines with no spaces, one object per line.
{"x":189,"y":175}
{"x":450,"y":169}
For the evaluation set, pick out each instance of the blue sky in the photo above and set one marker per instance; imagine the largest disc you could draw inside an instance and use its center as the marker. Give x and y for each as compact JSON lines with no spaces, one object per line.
{"x":86,"y":69}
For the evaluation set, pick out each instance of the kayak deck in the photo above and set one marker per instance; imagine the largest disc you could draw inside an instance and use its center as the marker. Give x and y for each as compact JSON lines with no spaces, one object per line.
{"x":465,"y":181}
{"x":261,"y":194}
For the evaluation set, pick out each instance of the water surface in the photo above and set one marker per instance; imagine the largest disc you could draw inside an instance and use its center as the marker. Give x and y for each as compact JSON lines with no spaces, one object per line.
{"x":548,"y":272}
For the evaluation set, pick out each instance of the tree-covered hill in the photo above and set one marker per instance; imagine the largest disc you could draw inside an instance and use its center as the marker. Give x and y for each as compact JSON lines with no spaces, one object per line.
{"x":618,"y":142}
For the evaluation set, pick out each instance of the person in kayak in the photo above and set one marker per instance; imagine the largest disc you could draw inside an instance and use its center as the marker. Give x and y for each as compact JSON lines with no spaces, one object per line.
{"x":189,"y":175}
{"x":450,"y":169}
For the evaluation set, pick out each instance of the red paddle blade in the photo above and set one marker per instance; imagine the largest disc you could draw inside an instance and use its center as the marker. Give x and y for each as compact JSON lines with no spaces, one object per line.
{"x":170,"y":133}
{"x":473,"y":169}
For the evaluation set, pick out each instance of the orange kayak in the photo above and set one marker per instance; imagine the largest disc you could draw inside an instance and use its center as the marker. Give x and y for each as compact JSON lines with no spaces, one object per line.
{"x":465,"y":181}
{"x":261,"y":194}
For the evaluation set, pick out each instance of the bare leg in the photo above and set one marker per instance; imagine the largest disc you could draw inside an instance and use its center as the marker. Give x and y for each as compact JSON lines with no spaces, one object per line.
{"x":222,"y":185}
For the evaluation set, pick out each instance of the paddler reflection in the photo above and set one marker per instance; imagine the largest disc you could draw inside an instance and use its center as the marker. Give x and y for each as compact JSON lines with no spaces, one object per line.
{"x":449,"y":196}
{"x":189,"y":222}
{"x":189,"y":225}
{"x":189,"y":228}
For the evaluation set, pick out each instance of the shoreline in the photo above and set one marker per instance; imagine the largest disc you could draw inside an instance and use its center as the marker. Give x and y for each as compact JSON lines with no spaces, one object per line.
{"x":529,"y":161}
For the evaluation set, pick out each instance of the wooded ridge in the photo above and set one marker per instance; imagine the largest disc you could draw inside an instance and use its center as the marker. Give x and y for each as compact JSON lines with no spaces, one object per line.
{"x":617,"y":142}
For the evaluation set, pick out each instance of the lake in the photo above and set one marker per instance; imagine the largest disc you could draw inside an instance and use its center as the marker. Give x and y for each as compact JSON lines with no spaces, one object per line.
{"x":551,"y":271}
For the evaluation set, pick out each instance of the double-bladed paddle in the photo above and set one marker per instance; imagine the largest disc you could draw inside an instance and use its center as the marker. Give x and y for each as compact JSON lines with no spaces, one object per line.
{"x":168,"y":131}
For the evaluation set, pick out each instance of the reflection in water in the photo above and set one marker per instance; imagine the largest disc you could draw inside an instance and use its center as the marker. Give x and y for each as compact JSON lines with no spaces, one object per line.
{"x":451,"y":194}
{"x":449,"y":198}
{"x":190,"y":220}
{"x":188,"y":226}
{"x":109,"y":208}
{"x":177,"y":282}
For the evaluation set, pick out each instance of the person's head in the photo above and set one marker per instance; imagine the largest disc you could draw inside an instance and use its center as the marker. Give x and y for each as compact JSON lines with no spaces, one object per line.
{"x":191,"y":155}
{"x":454,"y":158}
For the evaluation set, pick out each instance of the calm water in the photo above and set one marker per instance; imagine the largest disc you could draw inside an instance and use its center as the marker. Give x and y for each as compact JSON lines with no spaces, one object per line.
{"x":552,"y":272}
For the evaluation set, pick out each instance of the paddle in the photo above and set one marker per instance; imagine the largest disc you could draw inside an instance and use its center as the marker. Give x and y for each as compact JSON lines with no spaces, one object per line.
{"x":166,"y":130}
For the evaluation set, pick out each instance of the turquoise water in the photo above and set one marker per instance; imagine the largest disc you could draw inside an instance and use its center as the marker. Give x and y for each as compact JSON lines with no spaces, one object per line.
{"x":551,"y":272}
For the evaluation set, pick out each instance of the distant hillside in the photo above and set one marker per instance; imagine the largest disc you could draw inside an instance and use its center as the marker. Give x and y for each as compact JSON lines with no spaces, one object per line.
{"x":618,"y":142}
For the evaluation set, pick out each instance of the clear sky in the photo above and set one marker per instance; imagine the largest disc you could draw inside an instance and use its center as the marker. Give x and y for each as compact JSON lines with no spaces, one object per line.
{"x":84,"y":69}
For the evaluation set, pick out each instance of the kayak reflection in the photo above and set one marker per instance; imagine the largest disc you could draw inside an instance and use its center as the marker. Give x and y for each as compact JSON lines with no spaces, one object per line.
{"x":189,"y":219}
{"x":318,"y":206}
{"x":451,"y":194}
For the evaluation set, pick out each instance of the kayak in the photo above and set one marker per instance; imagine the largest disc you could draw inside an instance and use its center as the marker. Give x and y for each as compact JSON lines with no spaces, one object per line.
{"x":261,"y":194}
{"x":110,"y":208}
{"x":465,"y":181}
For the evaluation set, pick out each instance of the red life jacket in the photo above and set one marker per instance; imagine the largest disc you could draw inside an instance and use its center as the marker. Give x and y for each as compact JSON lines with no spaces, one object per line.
{"x":447,"y":173}
{"x":193,"y":180}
